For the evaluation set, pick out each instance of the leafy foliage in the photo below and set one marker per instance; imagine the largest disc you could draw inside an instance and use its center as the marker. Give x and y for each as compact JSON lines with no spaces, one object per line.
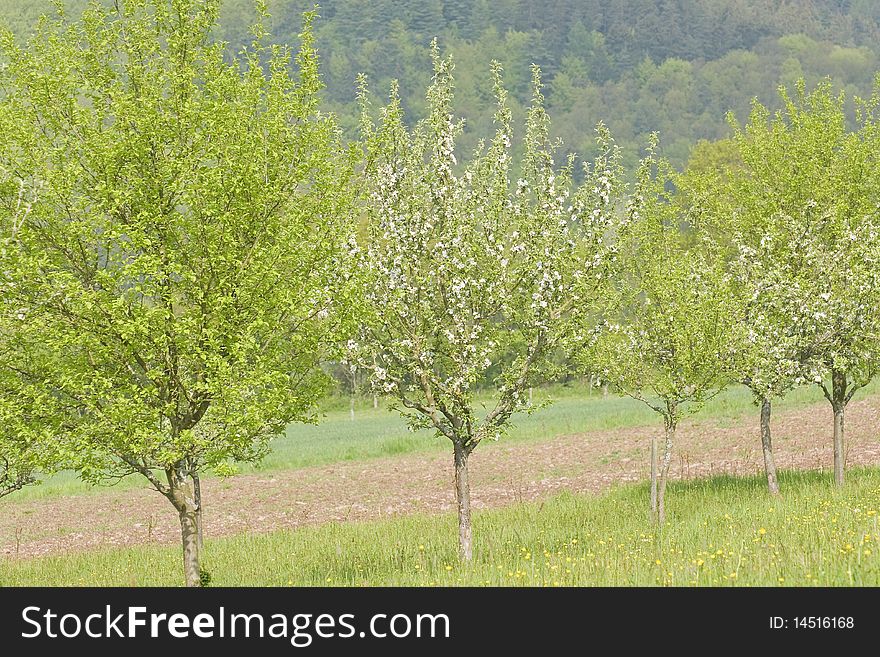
{"x":665,"y":326}
{"x":183,"y":246}
{"x":798,"y":217}
{"x":464,"y":268}
{"x":665,"y":330}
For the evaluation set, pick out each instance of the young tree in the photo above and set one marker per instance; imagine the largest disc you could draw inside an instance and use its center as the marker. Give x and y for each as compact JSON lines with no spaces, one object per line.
{"x":805,"y":212}
{"x":664,"y":333}
{"x":184,"y":254}
{"x":461,"y":267}
{"x":762,"y":350}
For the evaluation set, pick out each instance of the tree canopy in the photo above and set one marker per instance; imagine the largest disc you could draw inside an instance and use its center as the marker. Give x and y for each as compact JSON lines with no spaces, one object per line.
{"x":183,"y":244}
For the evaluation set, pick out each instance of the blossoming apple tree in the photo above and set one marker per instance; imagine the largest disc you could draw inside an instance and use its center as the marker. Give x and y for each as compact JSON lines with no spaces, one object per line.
{"x":764,"y":349}
{"x":464,"y":268}
{"x":805,"y":222}
{"x":665,"y":323}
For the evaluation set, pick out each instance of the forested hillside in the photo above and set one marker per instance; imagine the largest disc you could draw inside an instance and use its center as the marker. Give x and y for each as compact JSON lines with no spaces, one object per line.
{"x":674,"y":66}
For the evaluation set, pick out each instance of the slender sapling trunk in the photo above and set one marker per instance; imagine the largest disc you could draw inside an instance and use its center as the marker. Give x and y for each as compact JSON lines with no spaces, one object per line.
{"x":767,"y":447}
{"x":838,"y":405}
{"x":463,"y":497}
{"x":653,"y":476}
{"x":190,"y":536}
{"x":669,"y":437}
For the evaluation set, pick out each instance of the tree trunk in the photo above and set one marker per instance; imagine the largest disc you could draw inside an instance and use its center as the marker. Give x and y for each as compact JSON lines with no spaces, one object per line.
{"x":197,"y":496}
{"x":654,"y":477}
{"x":181,"y":494}
{"x":190,"y":535}
{"x":664,"y":470}
{"x":351,"y":408}
{"x":463,"y":496}
{"x":838,"y":445}
{"x":767,"y":446}
{"x":375,"y":401}
{"x":838,"y":404}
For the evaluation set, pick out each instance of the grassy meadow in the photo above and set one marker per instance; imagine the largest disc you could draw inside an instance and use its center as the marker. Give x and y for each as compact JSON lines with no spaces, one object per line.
{"x":721,"y":532}
{"x":380,"y":432}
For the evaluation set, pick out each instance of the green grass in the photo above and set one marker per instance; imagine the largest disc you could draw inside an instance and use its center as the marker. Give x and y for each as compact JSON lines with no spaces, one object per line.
{"x":380,"y":432}
{"x":721,"y":532}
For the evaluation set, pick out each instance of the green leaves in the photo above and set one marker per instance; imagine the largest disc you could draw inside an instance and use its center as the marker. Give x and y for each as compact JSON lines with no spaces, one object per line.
{"x":796,"y":222}
{"x":664,"y":331}
{"x":185,"y":249}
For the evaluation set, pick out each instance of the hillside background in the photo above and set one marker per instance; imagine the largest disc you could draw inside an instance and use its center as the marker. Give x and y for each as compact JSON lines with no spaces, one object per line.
{"x":672,"y":66}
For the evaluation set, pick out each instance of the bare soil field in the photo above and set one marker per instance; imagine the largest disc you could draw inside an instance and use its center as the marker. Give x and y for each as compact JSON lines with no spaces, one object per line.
{"x":500,"y":474}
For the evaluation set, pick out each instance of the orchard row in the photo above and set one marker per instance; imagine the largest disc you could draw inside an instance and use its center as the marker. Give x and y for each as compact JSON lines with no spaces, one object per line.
{"x":187,"y":240}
